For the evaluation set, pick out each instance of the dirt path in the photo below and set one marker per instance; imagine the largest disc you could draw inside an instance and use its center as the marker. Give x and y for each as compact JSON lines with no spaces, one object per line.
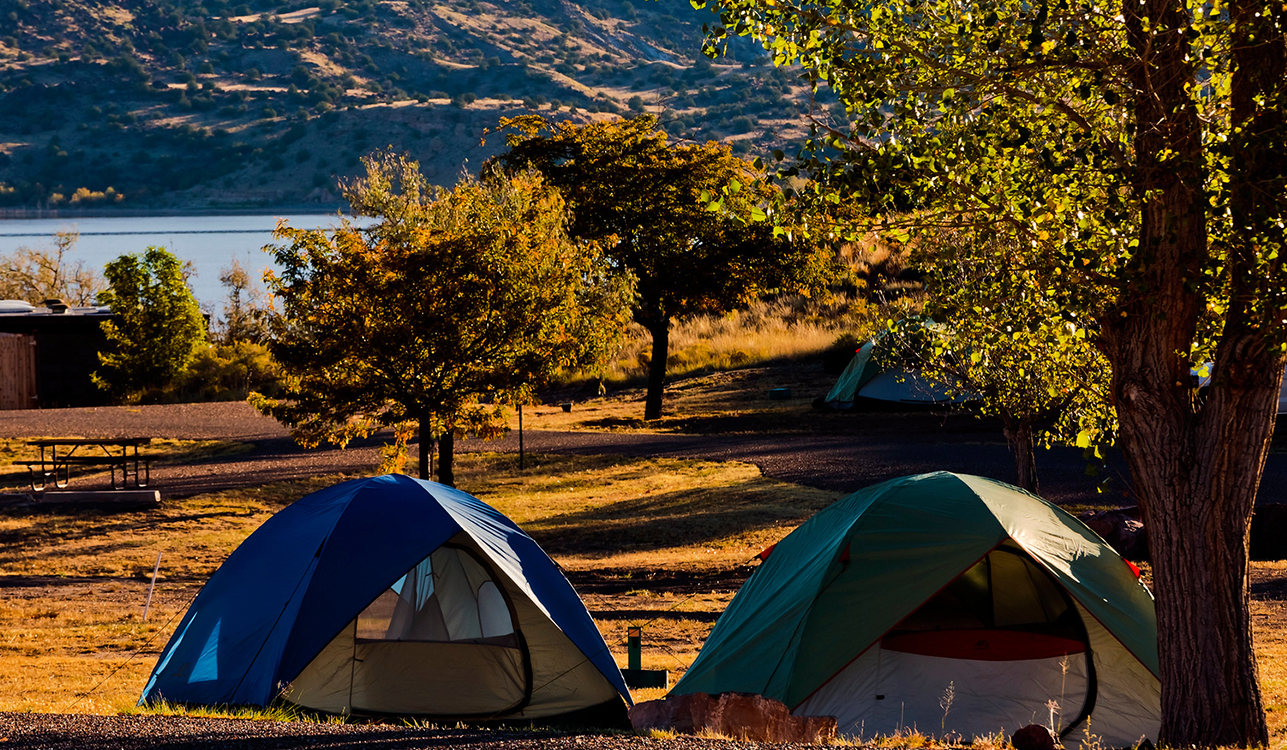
{"x":877,"y":447}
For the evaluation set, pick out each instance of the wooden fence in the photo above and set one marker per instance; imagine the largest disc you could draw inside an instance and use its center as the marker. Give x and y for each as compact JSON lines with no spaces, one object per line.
{"x":19,"y":382}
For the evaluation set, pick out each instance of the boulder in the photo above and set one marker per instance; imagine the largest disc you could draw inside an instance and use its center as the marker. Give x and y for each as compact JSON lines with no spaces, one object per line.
{"x":743,"y":716}
{"x":1122,"y":529}
{"x":1034,"y":737}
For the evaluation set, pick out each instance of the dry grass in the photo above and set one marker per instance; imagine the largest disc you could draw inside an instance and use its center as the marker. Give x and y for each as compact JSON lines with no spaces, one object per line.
{"x":723,"y":402}
{"x":193,"y":535}
{"x":608,"y":512}
{"x":766,"y":331}
{"x":252,"y":713}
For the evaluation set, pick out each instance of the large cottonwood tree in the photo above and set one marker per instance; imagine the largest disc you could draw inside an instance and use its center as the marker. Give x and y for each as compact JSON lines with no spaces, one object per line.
{"x":1139,"y":148}
{"x":678,"y":217}
{"x":451,"y":305}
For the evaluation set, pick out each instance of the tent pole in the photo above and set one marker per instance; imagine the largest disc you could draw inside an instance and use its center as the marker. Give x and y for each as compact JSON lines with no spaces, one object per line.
{"x":520,"y":437}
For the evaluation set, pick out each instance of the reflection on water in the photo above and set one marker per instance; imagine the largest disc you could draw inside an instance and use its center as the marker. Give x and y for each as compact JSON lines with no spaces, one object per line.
{"x":209,"y":242}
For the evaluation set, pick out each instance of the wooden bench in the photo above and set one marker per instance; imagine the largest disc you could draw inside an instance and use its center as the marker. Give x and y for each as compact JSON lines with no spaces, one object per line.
{"x":58,"y":455}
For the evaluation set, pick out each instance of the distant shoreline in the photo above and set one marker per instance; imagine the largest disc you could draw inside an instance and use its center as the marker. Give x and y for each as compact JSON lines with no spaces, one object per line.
{"x":17,"y":214}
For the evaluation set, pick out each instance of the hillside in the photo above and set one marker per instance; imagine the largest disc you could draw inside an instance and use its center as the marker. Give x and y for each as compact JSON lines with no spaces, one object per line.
{"x":154,"y":104}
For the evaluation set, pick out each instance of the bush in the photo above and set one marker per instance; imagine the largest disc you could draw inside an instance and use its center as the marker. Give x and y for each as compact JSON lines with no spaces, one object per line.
{"x":229,"y":372}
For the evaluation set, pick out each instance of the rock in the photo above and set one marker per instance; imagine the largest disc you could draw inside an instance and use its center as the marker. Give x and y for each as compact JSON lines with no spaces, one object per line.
{"x":743,"y":716}
{"x":1034,"y":737}
{"x":1122,"y":529}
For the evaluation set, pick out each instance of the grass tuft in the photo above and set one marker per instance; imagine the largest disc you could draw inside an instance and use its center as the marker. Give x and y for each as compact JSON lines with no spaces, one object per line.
{"x":275,"y":712}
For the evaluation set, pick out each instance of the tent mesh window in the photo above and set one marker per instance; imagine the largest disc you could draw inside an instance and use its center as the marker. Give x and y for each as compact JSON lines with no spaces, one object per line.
{"x":449,"y":597}
{"x":1007,"y":594}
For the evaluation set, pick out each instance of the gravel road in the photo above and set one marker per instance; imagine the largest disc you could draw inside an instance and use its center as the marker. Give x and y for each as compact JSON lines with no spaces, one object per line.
{"x":83,"y":732}
{"x":878,"y":447}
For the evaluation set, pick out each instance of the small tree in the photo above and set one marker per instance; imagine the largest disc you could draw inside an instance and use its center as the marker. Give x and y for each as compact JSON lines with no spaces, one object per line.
{"x":156,"y":325}
{"x":35,"y":275}
{"x":681,"y":218}
{"x":237,"y":361}
{"x":452,"y":305}
{"x":245,"y":313}
{"x":1032,"y":363}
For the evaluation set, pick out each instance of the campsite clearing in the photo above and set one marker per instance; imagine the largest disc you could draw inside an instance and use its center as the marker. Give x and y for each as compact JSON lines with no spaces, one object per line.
{"x":73,"y":585}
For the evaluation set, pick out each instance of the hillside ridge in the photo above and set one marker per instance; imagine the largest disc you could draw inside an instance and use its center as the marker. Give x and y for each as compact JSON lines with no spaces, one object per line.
{"x":221,"y":105}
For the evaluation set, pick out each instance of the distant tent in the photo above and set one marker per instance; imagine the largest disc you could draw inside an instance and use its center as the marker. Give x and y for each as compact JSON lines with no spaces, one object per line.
{"x":874,"y":608}
{"x":867,"y":381}
{"x":392,"y":595}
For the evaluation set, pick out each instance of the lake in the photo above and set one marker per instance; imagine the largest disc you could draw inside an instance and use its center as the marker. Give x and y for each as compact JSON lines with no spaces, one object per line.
{"x":211,"y":243}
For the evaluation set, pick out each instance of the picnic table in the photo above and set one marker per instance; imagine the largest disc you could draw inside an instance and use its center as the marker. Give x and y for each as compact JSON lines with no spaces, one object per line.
{"x":58,"y":455}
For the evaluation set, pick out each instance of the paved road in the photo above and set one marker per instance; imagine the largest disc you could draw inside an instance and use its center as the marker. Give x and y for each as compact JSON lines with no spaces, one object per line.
{"x":876,"y":447}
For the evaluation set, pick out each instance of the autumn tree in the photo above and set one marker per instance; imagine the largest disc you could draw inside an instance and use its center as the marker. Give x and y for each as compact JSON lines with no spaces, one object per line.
{"x":1136,"y":149}
{"x":679,"y":217}
{"x":448,"y":307}
{"x":156,"y":327}
{"x":37,"y":274}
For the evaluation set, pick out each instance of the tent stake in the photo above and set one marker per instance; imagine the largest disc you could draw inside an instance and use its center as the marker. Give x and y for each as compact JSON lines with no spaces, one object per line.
{"x":151,"y":587}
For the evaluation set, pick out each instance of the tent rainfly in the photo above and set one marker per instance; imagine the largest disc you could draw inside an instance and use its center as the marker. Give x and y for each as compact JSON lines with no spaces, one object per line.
{"x":945,"y":603}
{"x":392,"y":596}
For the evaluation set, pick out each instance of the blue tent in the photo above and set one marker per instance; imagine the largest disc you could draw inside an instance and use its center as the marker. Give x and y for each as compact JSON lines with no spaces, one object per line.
{"x":390,"y":595}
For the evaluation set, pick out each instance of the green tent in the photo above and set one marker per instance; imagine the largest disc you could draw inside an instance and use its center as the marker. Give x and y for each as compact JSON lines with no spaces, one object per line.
{"x":867,"y":380}
{"x":883,"y":604}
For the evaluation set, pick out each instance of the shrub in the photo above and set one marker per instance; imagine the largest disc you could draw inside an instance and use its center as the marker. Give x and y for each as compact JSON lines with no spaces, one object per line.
{"x":229,"y":372}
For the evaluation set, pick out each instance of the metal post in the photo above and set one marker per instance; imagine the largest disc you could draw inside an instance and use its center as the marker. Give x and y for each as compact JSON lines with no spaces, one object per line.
{"x":634,"y":647}
{"x":521,"y":465}
{"x":151,"y":587}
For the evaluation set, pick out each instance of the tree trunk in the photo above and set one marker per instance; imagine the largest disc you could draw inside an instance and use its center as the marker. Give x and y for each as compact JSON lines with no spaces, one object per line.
{"x":1018,"y":433}
{"x":660,"y":331}
{"x":1196,"y":481}
{"x":1195,"y":470}
{"x":426,"y":448}
{"x":446,"y":459}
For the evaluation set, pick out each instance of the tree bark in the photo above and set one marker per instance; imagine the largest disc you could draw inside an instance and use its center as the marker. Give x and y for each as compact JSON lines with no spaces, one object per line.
{"x":447,"y":459}
{"x":1195,"y":469}
{"x":1196,"y":481}
{"x":1018,"y":433}
{"x":426,"y":448}
{"x":660,"y":330}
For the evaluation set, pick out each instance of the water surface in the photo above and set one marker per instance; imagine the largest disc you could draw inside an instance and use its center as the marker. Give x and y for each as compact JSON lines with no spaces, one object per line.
{"x":211,"y":243}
